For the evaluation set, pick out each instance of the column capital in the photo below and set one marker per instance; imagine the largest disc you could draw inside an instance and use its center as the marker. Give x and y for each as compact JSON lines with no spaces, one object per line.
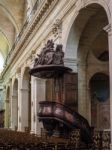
{"x":71,"y":63}
{"x":33,"y":78}
{"x":18,"y":75}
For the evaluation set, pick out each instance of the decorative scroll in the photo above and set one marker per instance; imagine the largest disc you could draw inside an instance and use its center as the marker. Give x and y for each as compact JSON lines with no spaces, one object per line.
{"x":57,"y":28}
{"x":50,"y":55}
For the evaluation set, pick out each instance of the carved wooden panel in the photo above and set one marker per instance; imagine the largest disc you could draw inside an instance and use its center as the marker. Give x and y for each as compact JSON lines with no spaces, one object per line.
{"x":50,"y":90}
{"x":71,"y":90}
{"x":68,"y":90}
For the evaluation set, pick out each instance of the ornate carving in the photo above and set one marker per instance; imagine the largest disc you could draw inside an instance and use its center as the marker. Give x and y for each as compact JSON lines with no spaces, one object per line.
{"x":56,"y":29}
{"x":50,"y":64}
{"x":101,"y":140}
{"x":75,"y":138}
{"x":36,"y":23}
{"x":106,"y":140}
{"x":52,"y":112}
{"x":49,"y":55}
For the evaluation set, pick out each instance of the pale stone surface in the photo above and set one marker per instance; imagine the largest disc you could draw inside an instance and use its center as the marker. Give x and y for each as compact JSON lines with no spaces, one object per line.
{"x":80,"y":32}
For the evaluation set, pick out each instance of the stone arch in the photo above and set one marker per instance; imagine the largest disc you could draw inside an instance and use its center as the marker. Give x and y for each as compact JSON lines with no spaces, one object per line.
{"x":84,"y":38}
{"x":83,"y":33}
{"x":103,"y":4}
{"x":79,"y":6}
{"x":96,"y":72}
{"x":14,"y":105}
{"x":87,"y":63}
{"x":26,"y":100}
{"x":100,"y":100}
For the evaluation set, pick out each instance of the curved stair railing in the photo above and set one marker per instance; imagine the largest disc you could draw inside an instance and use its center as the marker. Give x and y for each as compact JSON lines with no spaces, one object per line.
{"x":52,"y":114}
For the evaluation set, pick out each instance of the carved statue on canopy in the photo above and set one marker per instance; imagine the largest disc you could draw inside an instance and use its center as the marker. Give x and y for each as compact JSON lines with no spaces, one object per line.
{"x":49,"y":55}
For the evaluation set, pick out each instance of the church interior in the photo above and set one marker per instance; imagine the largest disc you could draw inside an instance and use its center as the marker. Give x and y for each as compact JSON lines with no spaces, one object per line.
{"x":55,"y":75}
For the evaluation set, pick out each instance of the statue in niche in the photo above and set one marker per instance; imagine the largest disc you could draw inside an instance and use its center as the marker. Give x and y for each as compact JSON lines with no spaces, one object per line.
{"x":49,"y":55}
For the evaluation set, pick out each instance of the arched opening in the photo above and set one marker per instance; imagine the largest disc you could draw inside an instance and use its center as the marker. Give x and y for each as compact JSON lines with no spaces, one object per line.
{"x":7,"y":109}
{"x":26,"y":101}
{"x":99,"y":92}
{"x":100,"y":47}
{"x":87,"y":51}
{"x":14,"y":115}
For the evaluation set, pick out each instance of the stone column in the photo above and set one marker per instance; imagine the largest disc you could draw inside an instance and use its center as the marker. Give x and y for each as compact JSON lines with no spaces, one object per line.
{"x":19,"y":101}
{"x":33,"y":98}
{"x":14,"y":111}
{"x":7,"y":107}
{"x":82,"y":90}
{"x":24,"y":108}
{"x":39,"y":96}
{"x":4,"y":95}
{"x":108,"y":28}
{"x":7,"y":113}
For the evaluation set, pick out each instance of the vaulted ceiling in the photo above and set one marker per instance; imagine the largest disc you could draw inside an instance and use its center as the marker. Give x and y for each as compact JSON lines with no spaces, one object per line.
{"x":12,"y":14}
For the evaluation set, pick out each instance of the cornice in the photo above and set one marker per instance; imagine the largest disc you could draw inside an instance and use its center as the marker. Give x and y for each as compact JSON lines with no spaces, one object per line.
{"x":28,"y":29}
{"x":32,"y":27}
